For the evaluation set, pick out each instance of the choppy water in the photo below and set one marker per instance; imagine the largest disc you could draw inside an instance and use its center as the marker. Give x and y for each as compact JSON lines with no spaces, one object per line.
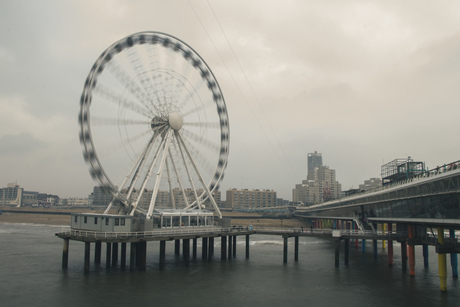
{"x":31,"y":275}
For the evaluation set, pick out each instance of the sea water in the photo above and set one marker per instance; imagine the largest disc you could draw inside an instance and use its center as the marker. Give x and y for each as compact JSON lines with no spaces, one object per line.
{"x":31,"y":275}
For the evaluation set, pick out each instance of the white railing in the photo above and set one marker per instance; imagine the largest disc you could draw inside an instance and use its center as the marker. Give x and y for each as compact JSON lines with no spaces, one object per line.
{"x":145,"y":234}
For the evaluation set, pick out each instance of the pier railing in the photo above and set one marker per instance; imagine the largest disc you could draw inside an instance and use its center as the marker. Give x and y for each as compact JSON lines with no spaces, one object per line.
{"x":145,"y":234}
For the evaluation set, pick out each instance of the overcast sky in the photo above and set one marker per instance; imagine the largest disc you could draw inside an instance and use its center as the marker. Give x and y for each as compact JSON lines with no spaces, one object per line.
{"x":362,"y":82}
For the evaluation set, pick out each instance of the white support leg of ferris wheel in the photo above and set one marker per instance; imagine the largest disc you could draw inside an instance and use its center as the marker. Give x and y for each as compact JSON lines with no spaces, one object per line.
{"x":205,"y":187}
{"x":136,"y":165}
{"x":167,"y":142}
{"x":147,"y":177}
{"x":171,"y":194}
{"x":179,"y":144}
{"x":178,"y":180}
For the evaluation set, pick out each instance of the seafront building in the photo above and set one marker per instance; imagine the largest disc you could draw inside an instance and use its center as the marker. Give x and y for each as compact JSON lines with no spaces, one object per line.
{"x":14,"y":195}
{"x":250,"y":199}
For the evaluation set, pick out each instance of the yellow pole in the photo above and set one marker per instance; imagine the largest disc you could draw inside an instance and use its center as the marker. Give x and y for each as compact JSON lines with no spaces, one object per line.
{"x":442,"y":266}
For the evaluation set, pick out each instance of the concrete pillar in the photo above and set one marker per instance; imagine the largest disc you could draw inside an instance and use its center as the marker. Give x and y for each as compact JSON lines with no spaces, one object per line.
{"x":442,"y":266}
{"x":108,"y":253}
{"x":296,"y":248}
{"x":65,"y":254}
{"x":123,"y":255}
{"x":114,"y":254}
{"x":230,"y":247}
{"x":211,"y":248}
{"x":404,"y":255}
{"x":425,"y":255}
{"x":87,"y":251}
{"x":186,"y":249}
{"x":247,"y":246}
{"x":347,"y":251}
{"x":285,"y":249}
{"x":142,"y":252}
{"x":363,"y":245}
{"x":223,"y":246}
{"x":453,"y":257}
{"x":162,"y":253}
{"x":204,"y":248}
{"x":411,"y":251}
{"x":132,"y":256}
{"x":176,"y":247}
{"x":234,"y":246}
{"x":194,"y":244}
{"x":97,"y":252}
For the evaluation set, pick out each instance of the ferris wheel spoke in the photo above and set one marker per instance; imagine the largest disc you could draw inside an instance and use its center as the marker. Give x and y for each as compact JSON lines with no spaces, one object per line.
{"x":199,"y":108}
{"x":118,"y":99}
{"x":131,"y":85}
{"x":202,"y":125}
{"x":111,"y":149}
{"x":200,"y":140}
{"x":105,"y":121}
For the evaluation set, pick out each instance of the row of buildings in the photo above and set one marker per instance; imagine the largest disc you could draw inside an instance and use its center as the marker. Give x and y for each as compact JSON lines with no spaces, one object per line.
{"x":319,"y":186}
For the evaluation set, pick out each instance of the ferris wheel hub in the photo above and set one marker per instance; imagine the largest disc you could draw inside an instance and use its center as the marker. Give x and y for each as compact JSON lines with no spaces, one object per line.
{"x":175,"y":121}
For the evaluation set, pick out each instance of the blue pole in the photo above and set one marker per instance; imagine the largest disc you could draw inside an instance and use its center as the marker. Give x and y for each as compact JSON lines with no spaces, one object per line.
{"x":453,"y":257}
{"x":363,"y":245}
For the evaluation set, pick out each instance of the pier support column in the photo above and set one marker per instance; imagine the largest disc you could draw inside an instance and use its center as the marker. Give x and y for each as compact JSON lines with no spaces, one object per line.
{"x":374,"y":243}
{"x":337,"y":252}
{"x":132,"y":256}
{"x":97,"y":252}
{"x":211,"y":248}
{"x":186,"y":249}
{"x":194,"y":244}
{"x":411,"y":251}
{"x":347,"y":251}
{"x":285,"y":249}
{"x":296,"y":248}
{"x":230,"y":247}
{"x":108,"y":253}
{"x":123,"y":255}
{"x":390,"y":252}
{"x":87,"y":251}
{"x":384,"y":230}
{"x":65,"y":254}
{"x":363,"y":245}
{"x":442,"y":266}
{"x":404,"y":255}
{"x":223,"y":248}
{"x":141,"y":252}
{"x":176,"y":247}
{"x":425,"y":255}
{"x":114,"y":254}
{"x":234,"y":246}
{"x":247,"y":246}
{"x":162,"y":253}
{"x":453,"y":257}
{"x":204,"y":248}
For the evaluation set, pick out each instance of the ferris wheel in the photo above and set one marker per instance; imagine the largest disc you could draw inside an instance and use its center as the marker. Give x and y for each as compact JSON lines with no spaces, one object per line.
{"x":154,"y":125}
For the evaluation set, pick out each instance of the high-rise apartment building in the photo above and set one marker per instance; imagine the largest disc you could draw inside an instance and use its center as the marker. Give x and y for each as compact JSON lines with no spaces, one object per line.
{"x":321,"y":184}
{"x":314,"y":160}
